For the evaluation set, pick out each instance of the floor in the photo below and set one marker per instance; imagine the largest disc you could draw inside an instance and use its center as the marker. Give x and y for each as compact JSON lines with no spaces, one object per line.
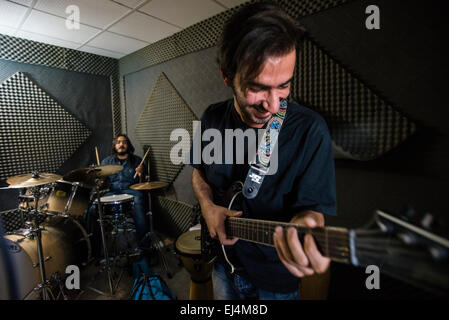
{"x":93,"y":280}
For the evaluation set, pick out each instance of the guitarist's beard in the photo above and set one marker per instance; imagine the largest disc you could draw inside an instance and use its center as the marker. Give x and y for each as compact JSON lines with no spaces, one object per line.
{"x":249,"y":113}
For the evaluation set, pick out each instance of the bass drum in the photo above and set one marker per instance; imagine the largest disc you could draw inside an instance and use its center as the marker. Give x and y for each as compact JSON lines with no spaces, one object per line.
{"x":64,"y":242}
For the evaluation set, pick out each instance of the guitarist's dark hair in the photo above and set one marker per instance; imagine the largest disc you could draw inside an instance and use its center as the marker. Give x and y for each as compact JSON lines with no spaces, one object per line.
{"x":253,"y":34}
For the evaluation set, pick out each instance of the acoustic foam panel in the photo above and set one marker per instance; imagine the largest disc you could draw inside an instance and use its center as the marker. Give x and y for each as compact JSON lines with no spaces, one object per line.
{"x":175,"y":217}
{"x":36,"y":132}
{"x":32,"y":52}
{"x":165,"y":111}
{"x":362,"y":124}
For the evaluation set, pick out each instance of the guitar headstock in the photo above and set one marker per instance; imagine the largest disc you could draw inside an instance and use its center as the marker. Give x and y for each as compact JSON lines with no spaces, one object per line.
{"x":403,"y":250}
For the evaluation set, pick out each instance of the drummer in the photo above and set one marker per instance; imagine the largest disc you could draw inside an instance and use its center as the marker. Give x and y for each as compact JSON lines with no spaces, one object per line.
{"x":122,"y":153}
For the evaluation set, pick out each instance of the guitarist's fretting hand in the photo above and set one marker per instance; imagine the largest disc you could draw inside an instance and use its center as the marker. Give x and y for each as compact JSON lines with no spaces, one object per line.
{"x":298,"y":259}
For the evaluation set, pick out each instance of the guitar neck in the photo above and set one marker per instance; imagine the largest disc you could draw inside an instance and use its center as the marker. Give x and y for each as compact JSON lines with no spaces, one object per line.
{"x":331,"y":241}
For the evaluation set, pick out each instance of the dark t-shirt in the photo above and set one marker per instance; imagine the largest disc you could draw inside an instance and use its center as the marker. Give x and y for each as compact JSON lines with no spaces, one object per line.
{"x":305,"y":180}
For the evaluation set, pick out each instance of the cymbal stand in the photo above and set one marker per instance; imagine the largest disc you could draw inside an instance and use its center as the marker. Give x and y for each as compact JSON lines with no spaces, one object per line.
{"x":155,"y":241}
{"x":108,"y":265}
{"x":35,"y":230}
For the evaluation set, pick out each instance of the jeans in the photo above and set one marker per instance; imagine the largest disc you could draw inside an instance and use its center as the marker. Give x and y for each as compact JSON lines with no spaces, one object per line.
{"x":139,"y":216}
{"x":234,"y":287}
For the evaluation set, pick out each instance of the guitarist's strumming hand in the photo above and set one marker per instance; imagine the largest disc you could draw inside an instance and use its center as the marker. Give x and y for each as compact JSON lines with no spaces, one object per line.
{"x":298,"y":259}
{"x":215,"y":217}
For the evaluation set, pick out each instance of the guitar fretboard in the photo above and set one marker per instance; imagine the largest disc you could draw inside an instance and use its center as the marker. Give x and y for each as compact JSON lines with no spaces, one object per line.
{"x":331,"y":241}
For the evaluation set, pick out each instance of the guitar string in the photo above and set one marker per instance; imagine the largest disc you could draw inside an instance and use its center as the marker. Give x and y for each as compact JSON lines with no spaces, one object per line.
{"x":267,"y":229}
{"x":332,"y":252}
{"x":333,"y":248}
{"x":336,"y":238}
{"x":264,"y":231}
{"x":242,"y":221}
{"x":334,"y":234}
{"x":336,"y":248}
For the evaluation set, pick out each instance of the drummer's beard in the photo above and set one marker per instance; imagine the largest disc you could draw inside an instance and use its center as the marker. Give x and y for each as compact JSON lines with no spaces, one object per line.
{"x":122,"y":151}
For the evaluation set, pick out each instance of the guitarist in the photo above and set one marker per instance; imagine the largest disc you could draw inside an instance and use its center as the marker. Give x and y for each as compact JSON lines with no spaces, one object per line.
{"x":257,"y":55}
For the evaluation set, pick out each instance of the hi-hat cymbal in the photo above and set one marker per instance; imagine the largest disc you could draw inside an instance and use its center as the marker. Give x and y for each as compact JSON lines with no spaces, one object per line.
{"x":29,"y":180}
{"x":88,"y":175}
{"x":149,"y":185}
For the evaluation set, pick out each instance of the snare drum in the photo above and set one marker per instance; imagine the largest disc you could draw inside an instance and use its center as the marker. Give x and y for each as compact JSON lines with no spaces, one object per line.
{"x":120,"y":232}
{"x":64,"y":242}
{"x":188,"y":246}
{"x":117,"y":205}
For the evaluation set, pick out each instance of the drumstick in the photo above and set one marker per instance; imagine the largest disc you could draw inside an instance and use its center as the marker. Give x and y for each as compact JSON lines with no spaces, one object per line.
{"x":141,"y":162}
{"x":98,"y":158}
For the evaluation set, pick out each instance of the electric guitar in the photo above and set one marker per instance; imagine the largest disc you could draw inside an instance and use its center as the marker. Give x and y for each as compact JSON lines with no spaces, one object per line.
{"x":399,"y":248}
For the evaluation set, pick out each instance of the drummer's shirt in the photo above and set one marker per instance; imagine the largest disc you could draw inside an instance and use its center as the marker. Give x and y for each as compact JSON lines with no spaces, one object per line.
{"x":125,"y":178}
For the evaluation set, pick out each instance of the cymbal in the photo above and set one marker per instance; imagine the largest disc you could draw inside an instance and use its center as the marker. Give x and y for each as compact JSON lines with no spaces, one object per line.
{"x":151,"y":185}
{"x":88,"y":175}
{"x":28,"y":180}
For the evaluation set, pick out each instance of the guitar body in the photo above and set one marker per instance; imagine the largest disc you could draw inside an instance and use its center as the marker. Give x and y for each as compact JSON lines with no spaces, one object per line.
{"x":209,"y":246}
{"x":211,"y":249}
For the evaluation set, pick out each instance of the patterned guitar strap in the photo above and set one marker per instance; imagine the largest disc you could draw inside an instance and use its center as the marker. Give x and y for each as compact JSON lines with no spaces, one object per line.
{"x":260,"y":166}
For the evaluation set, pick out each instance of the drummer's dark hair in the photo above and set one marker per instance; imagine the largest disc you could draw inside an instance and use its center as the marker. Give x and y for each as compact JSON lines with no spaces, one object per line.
{"x":130,"y":148}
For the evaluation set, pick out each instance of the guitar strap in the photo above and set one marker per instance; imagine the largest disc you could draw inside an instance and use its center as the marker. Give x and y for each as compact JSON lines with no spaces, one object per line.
{"x":260,"y":166}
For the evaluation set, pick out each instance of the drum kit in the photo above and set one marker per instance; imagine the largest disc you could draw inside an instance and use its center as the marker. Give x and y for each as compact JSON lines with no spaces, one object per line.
{"x":52,"y":208}
{"x":54,"y":235}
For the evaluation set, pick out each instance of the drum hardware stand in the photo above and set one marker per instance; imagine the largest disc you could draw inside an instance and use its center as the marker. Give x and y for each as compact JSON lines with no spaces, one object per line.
{"x":122,"y":227}
{"x":57,"y":277}
{"x":155,"y":240}
{"x":35,"y":230}
{"x":72,"y":195}
{"x":107,"y":267}
{"x":89,"y":235}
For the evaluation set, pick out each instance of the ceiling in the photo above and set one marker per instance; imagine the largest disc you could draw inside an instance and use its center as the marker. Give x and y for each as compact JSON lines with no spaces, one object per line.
{"x":112,"y":28}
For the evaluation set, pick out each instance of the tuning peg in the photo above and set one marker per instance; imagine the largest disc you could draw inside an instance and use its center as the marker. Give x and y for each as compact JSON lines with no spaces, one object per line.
{"x":438,"y":253}
{"x":427,"y":221}
{"x":408,"y":238}
{"x":408,"y":213}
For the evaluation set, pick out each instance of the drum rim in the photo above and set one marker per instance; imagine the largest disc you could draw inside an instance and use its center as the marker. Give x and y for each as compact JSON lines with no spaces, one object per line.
{"x":186,"y":254}
{"x":127,"y":199}
{"x":73,"y":184}
{"x":65,"y":182}
{"x":198,"y":256}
